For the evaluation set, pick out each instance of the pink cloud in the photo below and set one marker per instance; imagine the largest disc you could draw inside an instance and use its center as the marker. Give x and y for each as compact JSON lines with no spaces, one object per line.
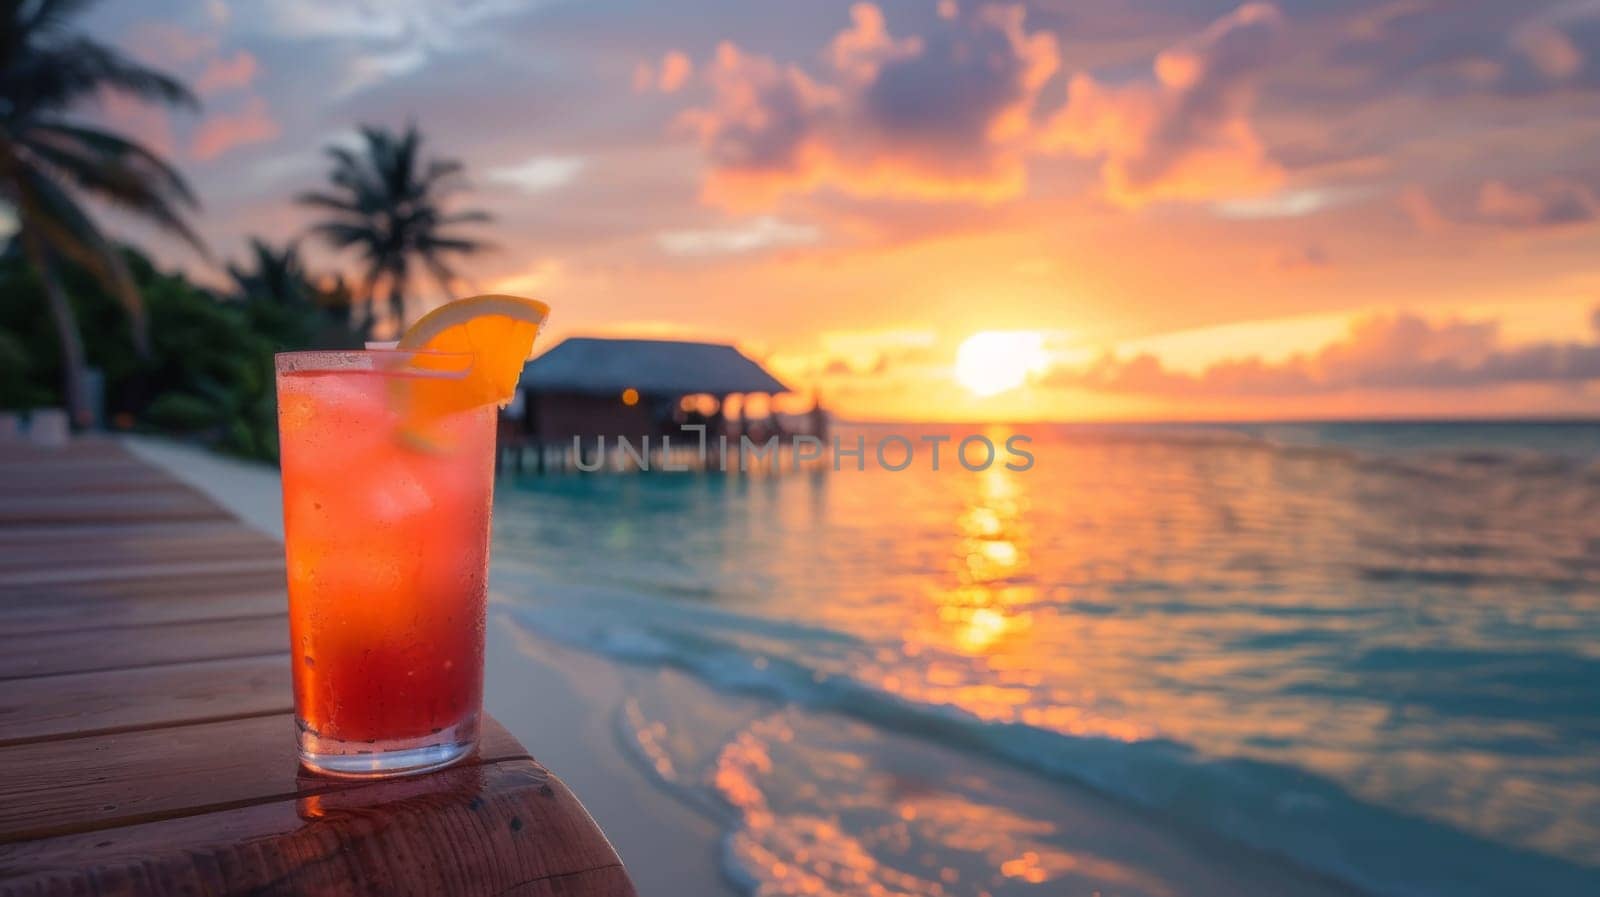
{"x":1549,"y":50}
{"x":1188,"y":134}
{"x":1554,"y":203}
{"x":670,"y":76}
{"x":1382,"y":352}
{"x":1422,"y":211}
{"x":223,"y":74}
{"x":220,"y":133}
{"x":939,"y":115}
{"x":675,"y":71}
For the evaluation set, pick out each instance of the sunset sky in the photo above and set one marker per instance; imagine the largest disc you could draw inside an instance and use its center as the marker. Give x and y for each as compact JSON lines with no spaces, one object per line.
{"x":1165,"y":208}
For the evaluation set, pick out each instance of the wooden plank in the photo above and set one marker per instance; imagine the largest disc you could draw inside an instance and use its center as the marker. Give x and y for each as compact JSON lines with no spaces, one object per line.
{"x":98,"y":483}
{"x":88,"y":650}
{"x":97,"y":782}
{"x":143,"y":532}
{"x":502,"y":828}
{"x":92,"y":508}
{"x":147,"y":586}
{"x":41,"y":559}
{"x":35,"y":611}
{"x":84,"y":704}
{"x":93,"y":572}
{"x":92,"y":476}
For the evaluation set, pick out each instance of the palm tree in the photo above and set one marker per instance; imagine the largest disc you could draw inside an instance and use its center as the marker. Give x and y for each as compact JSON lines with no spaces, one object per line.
{"x":47,"y":160}
{"x":285,"y":304}
{"x":387,"y":202}
{"x":277,"y":276}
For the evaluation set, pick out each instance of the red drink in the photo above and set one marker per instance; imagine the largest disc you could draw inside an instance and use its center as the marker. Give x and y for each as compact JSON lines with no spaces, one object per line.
{"x":386,"y":533}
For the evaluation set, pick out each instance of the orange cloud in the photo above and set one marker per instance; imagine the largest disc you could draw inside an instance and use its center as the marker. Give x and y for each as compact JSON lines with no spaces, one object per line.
{"x":940,"y":115}
{"x":220,"y":133}
{"x":1188,"y":135}
{"x":227,"y":74}
{"x":1422,"y":211}
{"x":674,"y":72}
{"x":1382,"y":352}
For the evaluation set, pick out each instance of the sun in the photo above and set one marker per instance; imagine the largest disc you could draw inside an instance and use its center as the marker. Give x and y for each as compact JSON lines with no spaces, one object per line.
{"x":994,"y":361}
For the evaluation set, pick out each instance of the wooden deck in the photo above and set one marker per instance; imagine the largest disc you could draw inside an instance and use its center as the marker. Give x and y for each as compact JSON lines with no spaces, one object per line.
{"x":147,"y":733}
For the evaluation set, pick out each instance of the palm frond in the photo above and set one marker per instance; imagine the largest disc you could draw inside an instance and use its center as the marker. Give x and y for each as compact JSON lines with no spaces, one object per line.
{"x":69,"y":232}
{"x":386,"y":200}
{"x":112,"y":145}
{"x":459,"y":245}
{"x":328,"y":201}
{"x":108,"y":169}
{"x":49,"y":78}
{"x":474,"y":216}
{"x":343,"y":235}
{"x":49,"y":15}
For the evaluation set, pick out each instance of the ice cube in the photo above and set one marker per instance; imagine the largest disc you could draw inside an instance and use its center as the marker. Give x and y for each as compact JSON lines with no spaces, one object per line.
{"x":396,"y":492}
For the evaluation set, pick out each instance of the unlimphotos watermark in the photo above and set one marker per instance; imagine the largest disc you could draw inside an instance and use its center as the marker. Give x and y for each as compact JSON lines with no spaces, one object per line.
{"x":892,"y":452}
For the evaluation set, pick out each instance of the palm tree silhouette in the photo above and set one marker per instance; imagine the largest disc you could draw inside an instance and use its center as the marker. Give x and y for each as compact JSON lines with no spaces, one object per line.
{"x":387,"y":202}
{"x":275,"y":276}
{"x":46,"y":158}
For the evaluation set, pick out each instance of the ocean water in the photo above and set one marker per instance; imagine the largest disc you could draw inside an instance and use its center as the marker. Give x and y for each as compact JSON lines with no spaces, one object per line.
{"x":1369,"y":651}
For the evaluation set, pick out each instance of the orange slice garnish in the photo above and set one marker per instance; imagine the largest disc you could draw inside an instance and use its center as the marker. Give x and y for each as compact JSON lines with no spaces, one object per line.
{"x":496,"y":330}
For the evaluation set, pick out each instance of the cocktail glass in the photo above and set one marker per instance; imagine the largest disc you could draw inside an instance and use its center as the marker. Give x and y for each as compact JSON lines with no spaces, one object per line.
{"x":386,"y":533}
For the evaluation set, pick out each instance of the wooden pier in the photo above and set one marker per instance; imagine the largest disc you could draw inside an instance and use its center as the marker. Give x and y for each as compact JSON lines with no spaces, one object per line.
{"x":147,"y":732}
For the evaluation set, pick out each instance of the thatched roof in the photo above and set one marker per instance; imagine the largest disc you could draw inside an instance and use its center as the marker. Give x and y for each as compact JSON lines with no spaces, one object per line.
{"x":654,"y":367}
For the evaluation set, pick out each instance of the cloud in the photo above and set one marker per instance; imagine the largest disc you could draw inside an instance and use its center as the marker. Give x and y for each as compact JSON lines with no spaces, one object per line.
{"x":955,"y":112}
{"x":227,"y":74}
{"x":1554,"y":203}
{"x":1382,"y":352}
{"x":943,"y":114}
{"x":1309,"y":257}
{"x":539,"y":173}
{"x":673,"y":73}
{"x":220,"y":133}
{"x":1479,"y":46}
{"x":1549,"y":50}
{"x":540,"y":277}
{"x":384,"y":41}
{"x":1550,"y":204}
{"x":1285,"y":203}
{"x":846,"y":356}
{"x":1188,"y":134}
{"x":764,"y":232}
{"x":1422,"y":211}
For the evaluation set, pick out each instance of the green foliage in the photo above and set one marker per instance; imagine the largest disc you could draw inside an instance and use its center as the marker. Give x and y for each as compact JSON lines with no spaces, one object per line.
{"x":181,"y":412}
{"x":208,"y":374}
{"x":16,"y":388}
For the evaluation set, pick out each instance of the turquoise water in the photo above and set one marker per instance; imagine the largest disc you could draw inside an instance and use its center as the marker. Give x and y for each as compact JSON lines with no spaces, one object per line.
{"x":1370,"y":649}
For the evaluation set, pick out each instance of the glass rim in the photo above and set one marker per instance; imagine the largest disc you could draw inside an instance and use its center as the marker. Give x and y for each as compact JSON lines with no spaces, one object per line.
{"x":381,"y":360}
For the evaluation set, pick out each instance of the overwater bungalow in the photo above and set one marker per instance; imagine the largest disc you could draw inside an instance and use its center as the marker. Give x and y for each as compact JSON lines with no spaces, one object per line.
{"x":586,"y":388}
